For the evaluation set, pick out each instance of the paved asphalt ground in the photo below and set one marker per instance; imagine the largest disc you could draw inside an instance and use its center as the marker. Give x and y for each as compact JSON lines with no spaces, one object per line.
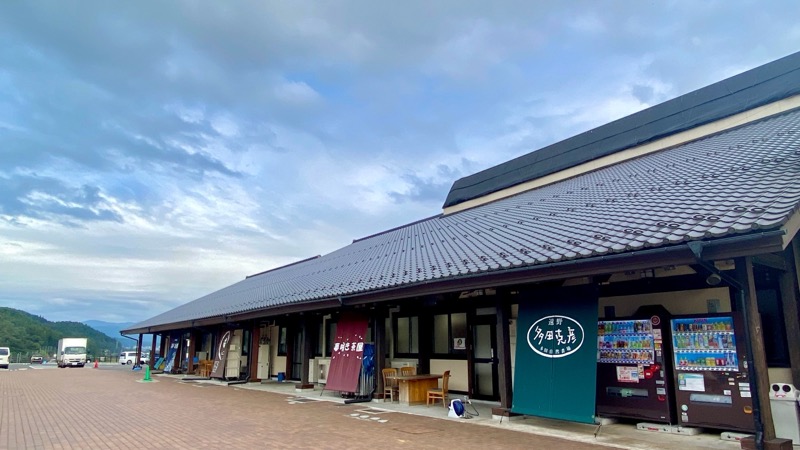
{"x":112,"y":408}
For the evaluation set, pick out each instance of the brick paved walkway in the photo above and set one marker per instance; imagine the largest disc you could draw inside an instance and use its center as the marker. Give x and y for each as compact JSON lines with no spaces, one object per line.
{"x":108,"y":409}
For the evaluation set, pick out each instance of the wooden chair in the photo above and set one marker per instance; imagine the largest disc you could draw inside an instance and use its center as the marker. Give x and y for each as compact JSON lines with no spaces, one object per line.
{"x":390,"y":386}
{"x":436,"y":394}
{"x":405,"y":371}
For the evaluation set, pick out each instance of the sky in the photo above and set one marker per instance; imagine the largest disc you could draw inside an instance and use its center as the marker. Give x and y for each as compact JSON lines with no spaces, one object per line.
{"x":154,"y":152}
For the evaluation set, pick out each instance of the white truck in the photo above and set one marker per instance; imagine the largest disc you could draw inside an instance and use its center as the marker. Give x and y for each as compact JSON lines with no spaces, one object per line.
{"x":71,"y":352}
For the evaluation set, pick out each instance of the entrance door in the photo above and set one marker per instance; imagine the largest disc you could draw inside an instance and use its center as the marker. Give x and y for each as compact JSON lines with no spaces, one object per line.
{"x":484,"y":358}
{"x":263,"y":362}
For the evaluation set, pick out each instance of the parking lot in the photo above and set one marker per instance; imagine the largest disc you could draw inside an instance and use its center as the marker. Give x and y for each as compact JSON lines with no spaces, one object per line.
{"x":42,"y":407}
{"x":45,"y":407}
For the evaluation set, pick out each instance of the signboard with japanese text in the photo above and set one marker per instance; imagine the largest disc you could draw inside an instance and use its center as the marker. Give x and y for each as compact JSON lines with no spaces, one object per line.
{"x":172,"y":353}
{"x":348,"y":349}
{"x":221,"y":353}
{"x":556,"y":360}
{"x":628,"y":374}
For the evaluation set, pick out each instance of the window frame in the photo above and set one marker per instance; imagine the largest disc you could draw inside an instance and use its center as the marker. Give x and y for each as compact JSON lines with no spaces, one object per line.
{"x":411,"y":335}
{"x":452,"y":353}
{"x":283,"y":333}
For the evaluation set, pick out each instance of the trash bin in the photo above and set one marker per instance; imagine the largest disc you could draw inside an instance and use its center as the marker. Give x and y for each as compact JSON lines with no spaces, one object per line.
{"x":281,"y":376}
{"x":783,"y":399}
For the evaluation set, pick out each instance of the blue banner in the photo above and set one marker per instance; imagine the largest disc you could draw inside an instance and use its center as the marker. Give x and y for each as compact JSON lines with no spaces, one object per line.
{"x":171,"y":353}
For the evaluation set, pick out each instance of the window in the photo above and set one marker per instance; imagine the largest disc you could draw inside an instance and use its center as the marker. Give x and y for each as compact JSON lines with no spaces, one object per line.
{"x":282,"y":341}
{"x":406,"y":333}
{"x":450,"y":334}
{"x":246,"y":342}
{"x":331,"y":334}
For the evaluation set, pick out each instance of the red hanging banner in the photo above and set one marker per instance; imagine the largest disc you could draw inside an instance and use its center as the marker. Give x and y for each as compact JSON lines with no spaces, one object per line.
{"x":348,"y":348}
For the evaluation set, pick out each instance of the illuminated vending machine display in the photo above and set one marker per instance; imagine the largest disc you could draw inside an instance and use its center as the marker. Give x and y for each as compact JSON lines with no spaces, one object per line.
{"x":711,"y":385}
{"x":632,"y":380}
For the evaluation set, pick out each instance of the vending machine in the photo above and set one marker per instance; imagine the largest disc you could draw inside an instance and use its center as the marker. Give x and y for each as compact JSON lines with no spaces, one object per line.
{"x":712,"y":388}
{"x":633,"y":371}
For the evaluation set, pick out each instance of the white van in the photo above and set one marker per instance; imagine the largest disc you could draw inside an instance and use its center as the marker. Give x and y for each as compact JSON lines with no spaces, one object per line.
{"x":127,"y":357}
{"x":5,"y":354}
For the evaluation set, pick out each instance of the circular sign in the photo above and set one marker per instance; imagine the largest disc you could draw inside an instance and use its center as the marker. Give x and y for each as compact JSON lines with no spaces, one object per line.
{"x":655,"y":320}
{"x":555,"y":336}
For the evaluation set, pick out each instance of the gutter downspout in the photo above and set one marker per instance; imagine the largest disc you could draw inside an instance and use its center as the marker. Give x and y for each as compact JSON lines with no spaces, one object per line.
{"x":697,"y":249}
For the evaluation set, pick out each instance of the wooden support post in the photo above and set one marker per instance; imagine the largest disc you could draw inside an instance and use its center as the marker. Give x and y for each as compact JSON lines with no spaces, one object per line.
{"x":759,"y":379}
{"x":425,"y":340}
{"x":152,"y":352}
{"x":191,"y":351}
{"x":139,"y":349}
{"x":162,"y":350}
{"x":504,"y":351}
{"x":179,"y":353}
{"x":790,"y":282}
{"x":254,"y":343}
{"x":379,"y":335}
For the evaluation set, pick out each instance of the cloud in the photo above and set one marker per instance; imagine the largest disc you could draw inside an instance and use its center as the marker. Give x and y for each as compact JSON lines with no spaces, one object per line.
{"x":153,"y":153}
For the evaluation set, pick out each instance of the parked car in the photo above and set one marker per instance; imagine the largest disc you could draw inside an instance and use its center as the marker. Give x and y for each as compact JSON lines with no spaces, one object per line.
{"x":36,"y":359}
{"x":5,"y":355}
{"x":127,"y":357}
{"x":130,"y":358}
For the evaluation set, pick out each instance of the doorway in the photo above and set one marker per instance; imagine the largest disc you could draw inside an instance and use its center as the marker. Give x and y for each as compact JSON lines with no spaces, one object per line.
{"x":484,"y":358}
{"x":296,"y":372}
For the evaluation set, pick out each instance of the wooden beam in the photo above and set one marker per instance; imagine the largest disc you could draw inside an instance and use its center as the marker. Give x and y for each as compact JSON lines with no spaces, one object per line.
{"x":379,"y":335}
{"x":152,"y":352}
{"x":425,"y":339}
{"x":255,"y":339}
{"x":504,"y":351}
{"x":774,"y":261}
{"x":191,"y":351}
{"x":139,"y":349}
{"x":759,"y":380}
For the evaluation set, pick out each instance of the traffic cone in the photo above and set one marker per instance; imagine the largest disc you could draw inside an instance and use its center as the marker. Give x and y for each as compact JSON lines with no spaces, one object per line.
{"x":95,"y":363}
{"x":147,"y":373}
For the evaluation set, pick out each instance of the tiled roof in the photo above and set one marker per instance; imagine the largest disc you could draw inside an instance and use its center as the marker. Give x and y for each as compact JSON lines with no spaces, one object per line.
{"x":734,"y":182}
{"x":771,"y":82}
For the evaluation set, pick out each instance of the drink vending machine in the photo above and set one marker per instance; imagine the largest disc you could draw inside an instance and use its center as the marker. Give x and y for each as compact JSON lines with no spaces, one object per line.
{"x":711,"y":383}
{"x":633,"y":378}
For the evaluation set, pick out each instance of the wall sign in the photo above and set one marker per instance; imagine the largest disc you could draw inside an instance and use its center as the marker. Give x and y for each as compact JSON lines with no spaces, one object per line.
{"x":555,"y":336}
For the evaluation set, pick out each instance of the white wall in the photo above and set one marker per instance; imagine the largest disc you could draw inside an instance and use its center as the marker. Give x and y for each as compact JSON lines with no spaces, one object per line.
{"x":780,"y":375}
{"x":677,"y":303}
{"x":459,"y":376}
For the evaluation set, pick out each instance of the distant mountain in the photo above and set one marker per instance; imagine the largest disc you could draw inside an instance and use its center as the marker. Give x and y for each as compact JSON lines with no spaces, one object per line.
{"x":110,"y":328}
{"x":27,"y":334}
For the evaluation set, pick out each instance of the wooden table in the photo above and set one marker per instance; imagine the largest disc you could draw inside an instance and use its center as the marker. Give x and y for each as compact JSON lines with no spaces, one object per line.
{"x":414,"y":388}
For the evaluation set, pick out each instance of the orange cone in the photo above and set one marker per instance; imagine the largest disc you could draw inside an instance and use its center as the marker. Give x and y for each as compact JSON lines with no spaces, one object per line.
{"x":95,"y":363}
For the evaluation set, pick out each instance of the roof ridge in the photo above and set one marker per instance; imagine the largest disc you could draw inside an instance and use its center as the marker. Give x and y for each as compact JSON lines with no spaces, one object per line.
{"x":282,"y":267}
{"x":397,"y":228}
